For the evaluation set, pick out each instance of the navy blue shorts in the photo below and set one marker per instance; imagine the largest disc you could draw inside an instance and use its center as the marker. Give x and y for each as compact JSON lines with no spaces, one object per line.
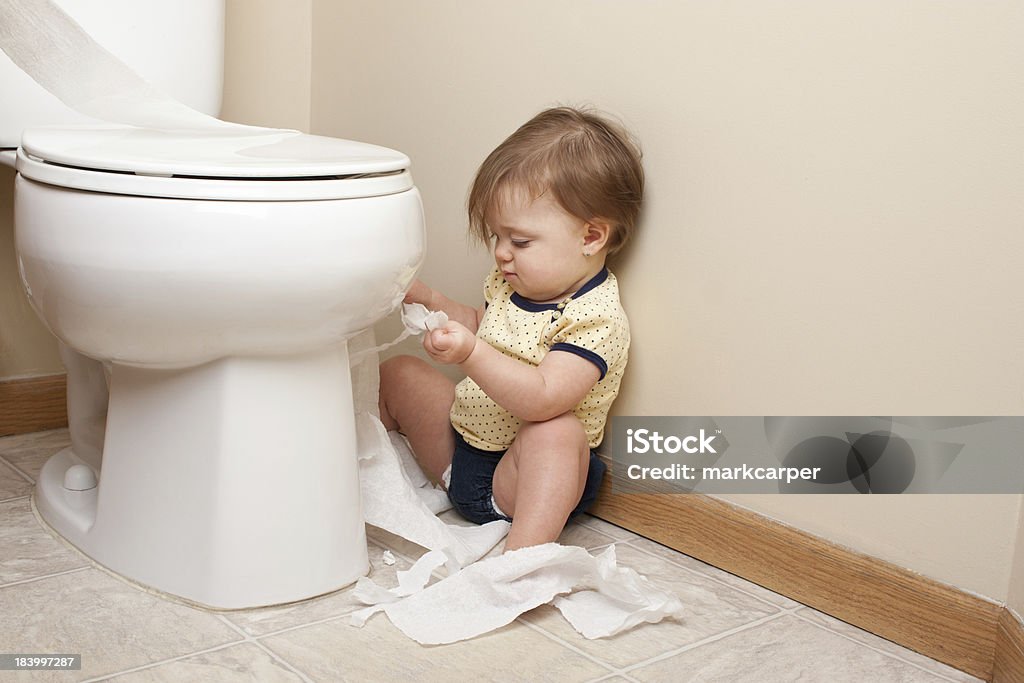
{"x":472,"y":482}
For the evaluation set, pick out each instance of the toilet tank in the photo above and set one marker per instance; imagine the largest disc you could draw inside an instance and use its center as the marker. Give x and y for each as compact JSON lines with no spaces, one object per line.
{"x":177,"y":45}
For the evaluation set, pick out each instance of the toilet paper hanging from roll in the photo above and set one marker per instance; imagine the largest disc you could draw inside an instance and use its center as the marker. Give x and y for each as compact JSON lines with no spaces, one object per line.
{"x":55,"y":51}
{"x":51,"y":47}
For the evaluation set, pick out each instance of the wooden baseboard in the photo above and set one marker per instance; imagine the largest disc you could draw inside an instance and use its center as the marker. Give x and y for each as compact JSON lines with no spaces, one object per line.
{"x":935,"y":619}
{"x":33,"y":405}
{"x":1009,"y":661}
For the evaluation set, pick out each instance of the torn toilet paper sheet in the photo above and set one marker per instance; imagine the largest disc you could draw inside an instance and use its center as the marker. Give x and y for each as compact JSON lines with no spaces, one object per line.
{"x":595,"y":595}
{"x":397,"y":496}
{"x":416,"y":319}
{"x":491,"y":593}
{"x":392,"y":503}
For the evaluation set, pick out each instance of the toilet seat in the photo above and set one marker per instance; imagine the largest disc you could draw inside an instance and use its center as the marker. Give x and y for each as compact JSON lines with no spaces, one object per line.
{"x":275,"y":165}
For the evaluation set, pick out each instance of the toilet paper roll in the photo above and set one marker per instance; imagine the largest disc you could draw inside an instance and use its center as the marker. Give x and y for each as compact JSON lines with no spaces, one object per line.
{"x":474,"y":598}
{"x":52,"y":48}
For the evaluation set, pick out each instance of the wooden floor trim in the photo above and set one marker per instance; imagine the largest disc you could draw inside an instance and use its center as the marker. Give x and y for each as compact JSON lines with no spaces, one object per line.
{"x":935,"y":619}
{"x":34,"y":404}
{"x":1009,"y":662}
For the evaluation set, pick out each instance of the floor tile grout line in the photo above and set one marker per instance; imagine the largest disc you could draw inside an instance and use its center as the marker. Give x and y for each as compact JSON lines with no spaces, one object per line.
{"x":44,"y":577}
{"x":233,"y":626}
{"x":890,"y":655}
{"x":611,"y":539}
{"x":402,"y":556}
{"x":717,"y":580}
{"x":243,"y":638}
{"x":398,"y":553}
{"x":624,"y":671}
{"x":264,"y":647}
{"x":288,"y":665}
{"x":22,"y":472}
{"x":13,"y":499}
{"x":296,"y":627}
{"x":608,"y":677}
{"x":594,"y":548}
{"x":612,"y":669}
{"x":17,"y":470}
{"x":710,"y":577}
{"x":169,"y":660}
{"x":706,"y":641}
{"x":595,"y":527}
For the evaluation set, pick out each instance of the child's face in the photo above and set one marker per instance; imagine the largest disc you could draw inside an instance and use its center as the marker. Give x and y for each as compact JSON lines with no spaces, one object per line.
{"x":538,"y":247}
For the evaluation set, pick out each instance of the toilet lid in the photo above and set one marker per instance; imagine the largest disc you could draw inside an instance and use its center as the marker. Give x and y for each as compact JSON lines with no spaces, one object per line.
{"x":243,"y":164}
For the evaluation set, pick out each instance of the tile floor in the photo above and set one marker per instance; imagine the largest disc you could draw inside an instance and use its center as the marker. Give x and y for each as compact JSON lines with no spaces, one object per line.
{"x":53,"y":600}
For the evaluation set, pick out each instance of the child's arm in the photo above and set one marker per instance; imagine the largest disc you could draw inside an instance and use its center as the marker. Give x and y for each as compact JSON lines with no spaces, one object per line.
{"x":533,"y":394}
{"x":420,"y":293}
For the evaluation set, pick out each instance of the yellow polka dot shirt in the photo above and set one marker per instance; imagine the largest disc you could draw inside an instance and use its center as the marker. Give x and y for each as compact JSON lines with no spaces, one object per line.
{"x":590,"y":323}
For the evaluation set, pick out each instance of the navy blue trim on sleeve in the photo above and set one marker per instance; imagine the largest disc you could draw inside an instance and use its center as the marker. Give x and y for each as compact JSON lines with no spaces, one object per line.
{"x":586,"y":354}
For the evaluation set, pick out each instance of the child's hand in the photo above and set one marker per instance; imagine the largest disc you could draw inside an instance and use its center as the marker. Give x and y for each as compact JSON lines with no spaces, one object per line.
{"x":451,"y":344}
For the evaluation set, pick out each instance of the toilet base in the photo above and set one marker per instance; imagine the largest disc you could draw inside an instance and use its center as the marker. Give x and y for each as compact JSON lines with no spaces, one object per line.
{"x":233,"y":484}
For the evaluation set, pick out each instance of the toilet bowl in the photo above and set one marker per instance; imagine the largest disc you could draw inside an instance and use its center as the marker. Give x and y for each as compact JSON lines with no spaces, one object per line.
{"x":218,"y":276}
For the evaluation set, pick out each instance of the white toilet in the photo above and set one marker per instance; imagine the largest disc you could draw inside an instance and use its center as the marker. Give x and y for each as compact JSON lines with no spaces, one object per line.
{"x":218,"y":277}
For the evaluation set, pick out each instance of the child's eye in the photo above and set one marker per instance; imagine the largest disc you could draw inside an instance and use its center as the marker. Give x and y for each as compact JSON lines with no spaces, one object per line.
{"x":521,"y":243}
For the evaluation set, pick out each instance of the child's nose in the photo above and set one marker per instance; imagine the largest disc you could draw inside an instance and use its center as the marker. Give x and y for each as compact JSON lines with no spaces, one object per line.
{"x":502,"y":252}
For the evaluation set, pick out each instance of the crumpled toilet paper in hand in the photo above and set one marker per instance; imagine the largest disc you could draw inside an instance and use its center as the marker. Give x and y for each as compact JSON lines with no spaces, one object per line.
{"x":594,"y":594}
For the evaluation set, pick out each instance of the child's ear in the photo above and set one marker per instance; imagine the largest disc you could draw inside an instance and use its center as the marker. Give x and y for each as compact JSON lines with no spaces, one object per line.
{"x":595,"y":235}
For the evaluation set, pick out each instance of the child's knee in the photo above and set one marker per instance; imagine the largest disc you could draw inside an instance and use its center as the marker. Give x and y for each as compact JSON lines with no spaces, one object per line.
{"x":397,"y":376}
{"x":565,"y":426}
{"x":564,"y":433}
{"x":399,"y":369}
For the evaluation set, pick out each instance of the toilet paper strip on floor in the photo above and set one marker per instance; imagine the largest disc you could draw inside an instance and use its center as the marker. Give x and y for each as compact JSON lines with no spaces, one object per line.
{"x":594,"y":594}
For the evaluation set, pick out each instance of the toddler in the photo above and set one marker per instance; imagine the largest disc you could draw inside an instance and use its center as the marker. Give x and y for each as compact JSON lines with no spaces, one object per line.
{"x":545,"y":354}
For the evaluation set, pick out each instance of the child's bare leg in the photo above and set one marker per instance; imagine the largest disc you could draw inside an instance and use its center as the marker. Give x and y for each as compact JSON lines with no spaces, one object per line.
{"x":541,"y":478}
{"x":415,"y":399}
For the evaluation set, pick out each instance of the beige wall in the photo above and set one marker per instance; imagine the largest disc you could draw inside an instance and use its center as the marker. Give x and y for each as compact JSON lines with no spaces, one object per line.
{"x":27,"y":349}
{"x":267,"y":63}
{"x":834,"y":214}
{"x":1015,"y":597}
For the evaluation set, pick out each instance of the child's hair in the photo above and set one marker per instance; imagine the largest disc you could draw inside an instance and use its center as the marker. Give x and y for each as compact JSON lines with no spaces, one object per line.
{"x":589,"y":164}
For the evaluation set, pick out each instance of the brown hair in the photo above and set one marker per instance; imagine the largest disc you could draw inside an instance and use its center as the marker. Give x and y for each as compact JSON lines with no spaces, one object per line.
{"x":589,"y":164}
